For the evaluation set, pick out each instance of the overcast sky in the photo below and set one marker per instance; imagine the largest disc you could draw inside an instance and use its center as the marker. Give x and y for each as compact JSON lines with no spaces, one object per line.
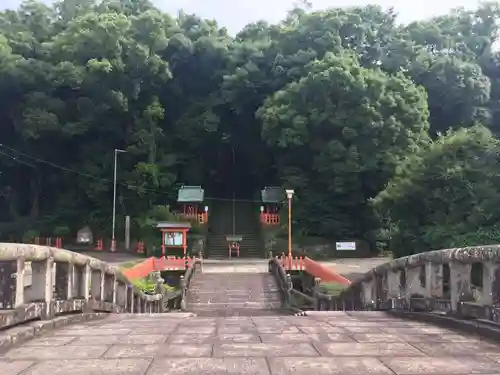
{"x":234,"y":14}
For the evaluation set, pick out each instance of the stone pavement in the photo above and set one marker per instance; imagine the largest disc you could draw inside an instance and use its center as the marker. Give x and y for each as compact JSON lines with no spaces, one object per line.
{"x":353,"y":343}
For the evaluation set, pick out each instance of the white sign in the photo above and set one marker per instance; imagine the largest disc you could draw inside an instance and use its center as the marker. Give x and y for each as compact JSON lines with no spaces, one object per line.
{"x":346,"y":245}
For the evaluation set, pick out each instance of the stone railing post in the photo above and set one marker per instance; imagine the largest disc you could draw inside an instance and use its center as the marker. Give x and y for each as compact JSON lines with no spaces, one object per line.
{"x":393,"y":287}
{"x":121,"y":295}
{"x":490,"y":270}
{"x":183,"y":293}
{"x":97,"y":285}
{"x":19,"y":275}
{"x":130,"y":299}
{"x":460,"y":283}
{"x":41,"y":286}
{"x":433,"y":280}
{"x":63,"y":280}
{"x":109,"y":288}
{"x":414,"y":283}
{"x":369,"y":293}
{"x":85,"y":281}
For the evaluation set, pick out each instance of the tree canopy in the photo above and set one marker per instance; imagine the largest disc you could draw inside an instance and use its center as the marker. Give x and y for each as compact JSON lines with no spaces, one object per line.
{"x":379,"y":127}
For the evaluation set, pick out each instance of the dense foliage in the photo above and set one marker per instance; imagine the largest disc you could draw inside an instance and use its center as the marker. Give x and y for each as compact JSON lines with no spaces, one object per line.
{"x":344,"y":105}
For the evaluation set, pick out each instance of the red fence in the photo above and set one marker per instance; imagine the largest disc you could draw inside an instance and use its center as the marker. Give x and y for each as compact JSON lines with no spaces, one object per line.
{"x":152,"y":264}
{"x":270,"y":219}
{"x":313,"y":268}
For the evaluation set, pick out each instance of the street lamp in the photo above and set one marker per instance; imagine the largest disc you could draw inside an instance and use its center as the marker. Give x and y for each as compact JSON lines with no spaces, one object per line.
{"x":113,"y":241}
{"x":289,"y":195}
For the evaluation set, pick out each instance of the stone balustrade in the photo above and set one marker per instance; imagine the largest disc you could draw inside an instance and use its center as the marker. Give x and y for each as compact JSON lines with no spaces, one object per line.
{"x":63,"y":282}
{"x":463,"y":282}
{"x":283,"y":280}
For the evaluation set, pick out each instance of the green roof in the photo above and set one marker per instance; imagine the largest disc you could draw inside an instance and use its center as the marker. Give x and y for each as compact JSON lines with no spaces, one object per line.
{"x":272,"y":194}
{"x":190,"y":194}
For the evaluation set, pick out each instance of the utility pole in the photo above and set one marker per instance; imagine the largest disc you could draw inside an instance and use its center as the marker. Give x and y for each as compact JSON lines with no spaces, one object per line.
{"x":113,"y":239}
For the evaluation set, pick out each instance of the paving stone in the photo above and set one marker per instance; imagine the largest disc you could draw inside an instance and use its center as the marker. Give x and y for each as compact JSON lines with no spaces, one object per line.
{"x":367,"y":349}
{"x":209,"y":366}
{"x":264,"y":350}
{"x":63,"y":352}
{"x":230,"y":337}
{"x":53,"y":341}
{"x":14,"y":367}
{"x":302,"y":337}
{"x":179,"y":351}
{"x":317,"y":345}
{"x":90,"y":367}
{"x":280,"y":330}
{"x":132,"y":351}
{"x":355,"y":329}
{"x":444,"y":349}
{"x":442,"y":365}
{"x":93,"y":332}
{"x":190,"y":339}
{"x":313,"y":329}
{"x":327,"y":366}
{"x":124,"y":340}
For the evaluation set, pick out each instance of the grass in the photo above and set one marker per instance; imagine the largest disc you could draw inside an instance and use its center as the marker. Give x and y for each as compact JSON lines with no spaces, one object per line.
{"x":148,"y":286}
{"x":145,"y":284}
{"x":332,"y":289}
{"x":131,"y":263}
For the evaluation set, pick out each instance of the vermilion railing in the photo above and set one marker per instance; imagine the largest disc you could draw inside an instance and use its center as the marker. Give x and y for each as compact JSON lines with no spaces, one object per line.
{"x":312,"y":267}
{"x":201,"y":218}
{"x":152,"y":264}
{"x":270,"y":219}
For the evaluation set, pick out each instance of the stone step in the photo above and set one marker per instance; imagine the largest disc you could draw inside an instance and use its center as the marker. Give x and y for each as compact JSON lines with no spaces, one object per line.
{"x":240,"y":312}
{"x":197,"y":306}
{"x":242,"y":299}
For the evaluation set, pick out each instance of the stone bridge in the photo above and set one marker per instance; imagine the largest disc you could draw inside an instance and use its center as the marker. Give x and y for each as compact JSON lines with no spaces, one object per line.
{"x":432,"y":313}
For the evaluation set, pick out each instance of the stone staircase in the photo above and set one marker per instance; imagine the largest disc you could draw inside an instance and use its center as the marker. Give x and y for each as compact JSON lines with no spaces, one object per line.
{"x":245,"y":224}
{"x":234,"y":294}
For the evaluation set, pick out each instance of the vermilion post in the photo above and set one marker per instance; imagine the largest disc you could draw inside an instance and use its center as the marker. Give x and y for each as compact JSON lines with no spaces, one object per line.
{"x":290,"y":230}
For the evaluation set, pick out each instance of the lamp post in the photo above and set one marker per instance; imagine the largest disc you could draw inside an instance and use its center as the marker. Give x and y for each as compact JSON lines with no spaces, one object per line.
{"x":289,"y":195}
{"x":113,"y":241}
{"x":234,"y":191}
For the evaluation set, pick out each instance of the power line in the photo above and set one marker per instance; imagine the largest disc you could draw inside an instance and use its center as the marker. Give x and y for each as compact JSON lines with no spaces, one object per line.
{"x":104,"y":180}
{"x":17,"y":160}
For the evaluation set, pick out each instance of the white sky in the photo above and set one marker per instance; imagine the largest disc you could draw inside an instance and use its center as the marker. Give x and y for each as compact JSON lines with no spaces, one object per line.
{"x":234,"y":14}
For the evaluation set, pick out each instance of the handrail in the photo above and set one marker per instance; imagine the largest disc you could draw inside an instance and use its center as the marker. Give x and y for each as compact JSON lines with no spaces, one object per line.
{"x":41,"y":282}
{"x":438,"y":281}
{"x":283,"y":279}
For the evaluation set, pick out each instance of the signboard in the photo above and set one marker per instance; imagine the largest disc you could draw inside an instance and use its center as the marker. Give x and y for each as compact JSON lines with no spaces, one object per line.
{"x":346,"y":245}
{"x":174,"y":239}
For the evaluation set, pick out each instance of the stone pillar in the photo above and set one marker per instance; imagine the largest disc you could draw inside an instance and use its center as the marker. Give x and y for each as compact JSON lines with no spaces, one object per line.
{"x":62,"y":282}
{"x":19,"y":298}
{"x":109,"y":290}
{"x":183,"y":293}
{"x":459,"y":282}
{"x":71,"y":278}
{"x":433,"y":280}
{"x":97,"y":285}
{"x":42,"y":287}
{"x":130,"y":299}
{"x":489,"y":271}
{"x":121,"y":295}
{"x":414,"y":282}
{"x":368,"y":292}
{"x":86,"y":279}
{"x":393,"y":287}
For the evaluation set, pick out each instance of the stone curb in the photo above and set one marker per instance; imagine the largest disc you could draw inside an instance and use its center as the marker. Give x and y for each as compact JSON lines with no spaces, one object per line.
{"x":481,"y":328}
{"x":13,"y":336}
{"x":302,"y":313}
